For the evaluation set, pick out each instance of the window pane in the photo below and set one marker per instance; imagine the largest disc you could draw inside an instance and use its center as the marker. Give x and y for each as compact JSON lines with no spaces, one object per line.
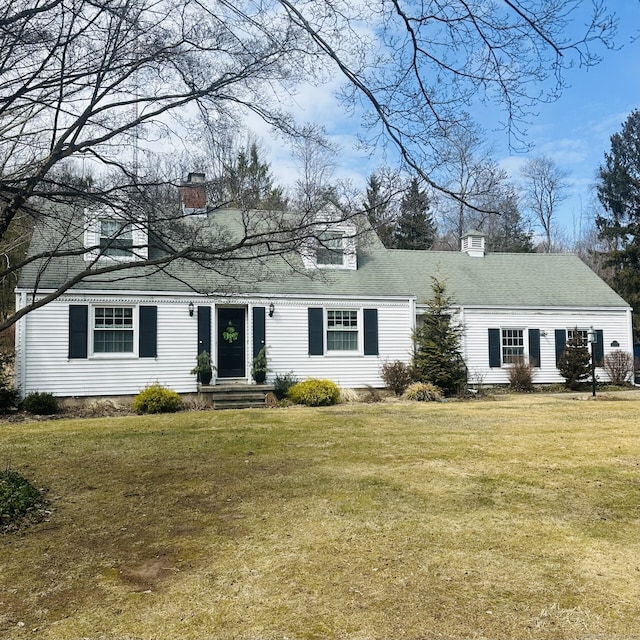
{"x":113,"y":330}
{"x":582,"y":333}
{"x":330,"y":250}
{"x":342,"y":341}
{"x":342,"y":330}
{"x":512,"y":345}
{"x":116,"y":239}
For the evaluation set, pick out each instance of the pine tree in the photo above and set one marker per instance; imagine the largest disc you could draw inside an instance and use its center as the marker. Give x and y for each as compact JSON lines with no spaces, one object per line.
{"x":619,"y":193}
{"x":377,"y":207}
{"x":250,"y":184}
{"x":414,"y":228}
{"x":437,"y":354}
{"x":574,"y":363}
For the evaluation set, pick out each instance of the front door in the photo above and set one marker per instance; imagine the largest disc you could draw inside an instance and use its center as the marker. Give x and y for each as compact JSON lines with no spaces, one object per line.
{"x":231,"y":342}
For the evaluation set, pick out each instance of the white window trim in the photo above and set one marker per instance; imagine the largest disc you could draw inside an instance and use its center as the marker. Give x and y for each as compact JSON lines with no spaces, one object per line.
{"x":525,"y":346}
{"x":340,"y":353}
{"x":92,"y":231}
{"x":349,"y":254}
{"x":114,"y":355}
{"x":327,"y":237}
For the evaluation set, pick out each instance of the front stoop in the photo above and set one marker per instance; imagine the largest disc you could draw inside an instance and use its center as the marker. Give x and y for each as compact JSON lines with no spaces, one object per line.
{"x":236,"y":395}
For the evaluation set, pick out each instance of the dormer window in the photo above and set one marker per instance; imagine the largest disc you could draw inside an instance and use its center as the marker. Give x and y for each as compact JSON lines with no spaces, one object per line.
{"x":116,"y":238}
{"x":330,"y":249}
{"x":109,"y":235}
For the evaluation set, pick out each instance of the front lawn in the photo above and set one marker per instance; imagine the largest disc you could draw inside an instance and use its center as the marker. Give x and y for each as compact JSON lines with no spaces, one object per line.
{"x":507,"y":519}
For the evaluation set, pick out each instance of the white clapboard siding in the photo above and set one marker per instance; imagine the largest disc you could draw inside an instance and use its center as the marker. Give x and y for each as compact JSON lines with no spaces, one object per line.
{"x":48,"y":367}
{"x":477,"y":322}
{"x":288,"y":346}
{"x":45,"y":365}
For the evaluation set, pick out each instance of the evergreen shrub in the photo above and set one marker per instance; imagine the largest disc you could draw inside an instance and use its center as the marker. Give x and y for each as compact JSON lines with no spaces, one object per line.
{"x":41,"y":403}
{"x":423,"y":392}
{"x":314,"y":393}
{"x":157,"y":399}
{"x":282,"y":383}
{"x":18,"y":498}
{"x":574,"y":363}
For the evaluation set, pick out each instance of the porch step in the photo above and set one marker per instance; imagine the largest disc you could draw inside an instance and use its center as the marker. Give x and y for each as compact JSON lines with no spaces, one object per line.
{"x":237,"y":395}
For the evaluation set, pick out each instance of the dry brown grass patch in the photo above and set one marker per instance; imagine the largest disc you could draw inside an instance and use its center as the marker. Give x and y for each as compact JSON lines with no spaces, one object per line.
{"x":510,"y":519}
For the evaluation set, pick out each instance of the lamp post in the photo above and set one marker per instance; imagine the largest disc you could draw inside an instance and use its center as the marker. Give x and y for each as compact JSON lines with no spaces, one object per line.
{"x":593,"y":336}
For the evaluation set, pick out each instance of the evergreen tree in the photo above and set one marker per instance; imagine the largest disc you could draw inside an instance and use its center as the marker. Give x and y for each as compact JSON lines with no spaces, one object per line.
{"x":378,"y":209}
{"x":414,"y":228}
{"x":437,"y":354}
{"x":619,"y":193}
{"x":506,"y":232}
{"x":250,"y":184}
{"x":574,"y":363}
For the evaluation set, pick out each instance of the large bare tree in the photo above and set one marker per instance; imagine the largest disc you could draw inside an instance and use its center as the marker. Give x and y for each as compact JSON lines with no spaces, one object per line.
{"x":103,"y":82}
{"x":545,"y":189}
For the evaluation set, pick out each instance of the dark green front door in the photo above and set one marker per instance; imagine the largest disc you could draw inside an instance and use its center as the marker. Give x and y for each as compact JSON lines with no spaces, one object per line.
{"x":231,"y":342}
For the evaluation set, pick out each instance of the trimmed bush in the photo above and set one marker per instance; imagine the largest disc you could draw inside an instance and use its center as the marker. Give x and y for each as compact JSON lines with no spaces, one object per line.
{"x":18,"y":498}
{"x":521,"y":375}
{"x":41,"y":403}
{"x":423,"y":392}
{"x":396,"y":375}
{"x":282,"y":383}
{"x":315,"y":393}
{"x":157,"y":399}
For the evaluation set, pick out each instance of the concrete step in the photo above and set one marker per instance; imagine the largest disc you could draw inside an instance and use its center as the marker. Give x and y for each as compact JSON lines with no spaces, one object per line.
{"x":237,"y":396}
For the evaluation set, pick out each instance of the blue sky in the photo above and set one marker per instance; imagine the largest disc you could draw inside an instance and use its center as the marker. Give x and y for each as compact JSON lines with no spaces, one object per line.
{"x":574,"y":131}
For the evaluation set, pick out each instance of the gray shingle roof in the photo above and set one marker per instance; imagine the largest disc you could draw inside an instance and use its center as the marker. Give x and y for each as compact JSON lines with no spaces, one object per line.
{"x":508,"y":279}
{"x":497,"y":279}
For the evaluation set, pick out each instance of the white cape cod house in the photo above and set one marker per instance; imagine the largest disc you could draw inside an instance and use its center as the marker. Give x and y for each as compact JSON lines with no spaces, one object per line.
{"x":116,"y":333}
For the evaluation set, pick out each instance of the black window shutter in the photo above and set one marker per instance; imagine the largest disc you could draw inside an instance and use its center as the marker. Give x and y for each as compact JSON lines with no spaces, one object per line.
{"x":259,"y":334}
{"x":561,"y":341}
{"x":316,"y":331}
{"x":78,"y":330}
{"x":370,"y":332}
{"x":534,"y":347}
{"x":204,"y":329}
{"x":494,"y":348}
{"x":598,"y":347}
{"x":148,"y":337}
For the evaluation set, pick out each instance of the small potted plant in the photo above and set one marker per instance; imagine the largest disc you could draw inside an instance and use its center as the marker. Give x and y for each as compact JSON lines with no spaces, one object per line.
{"x":204,"y":368}
{"x":259,"y":366}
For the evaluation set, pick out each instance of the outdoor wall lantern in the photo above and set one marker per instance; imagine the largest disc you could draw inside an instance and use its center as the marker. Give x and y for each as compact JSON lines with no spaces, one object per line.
{"x":191,"y":309}
{"x":271,"y":310}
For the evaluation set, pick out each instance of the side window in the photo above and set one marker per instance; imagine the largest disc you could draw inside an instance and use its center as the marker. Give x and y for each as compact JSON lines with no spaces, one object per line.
{"x":342,"y":330}
{"x":113,"y":330}
{"x":512,"y":345}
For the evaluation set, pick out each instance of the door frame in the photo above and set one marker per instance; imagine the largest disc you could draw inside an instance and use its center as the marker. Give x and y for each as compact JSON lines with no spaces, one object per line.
{"x":244,"y":337}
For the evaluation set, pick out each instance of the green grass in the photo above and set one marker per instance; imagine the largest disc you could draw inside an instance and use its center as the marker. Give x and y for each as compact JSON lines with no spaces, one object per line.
{"x":515,"y":518}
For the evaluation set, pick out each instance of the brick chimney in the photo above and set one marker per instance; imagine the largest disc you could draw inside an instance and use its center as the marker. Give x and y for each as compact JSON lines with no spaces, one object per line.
{"x":193,"y":194}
